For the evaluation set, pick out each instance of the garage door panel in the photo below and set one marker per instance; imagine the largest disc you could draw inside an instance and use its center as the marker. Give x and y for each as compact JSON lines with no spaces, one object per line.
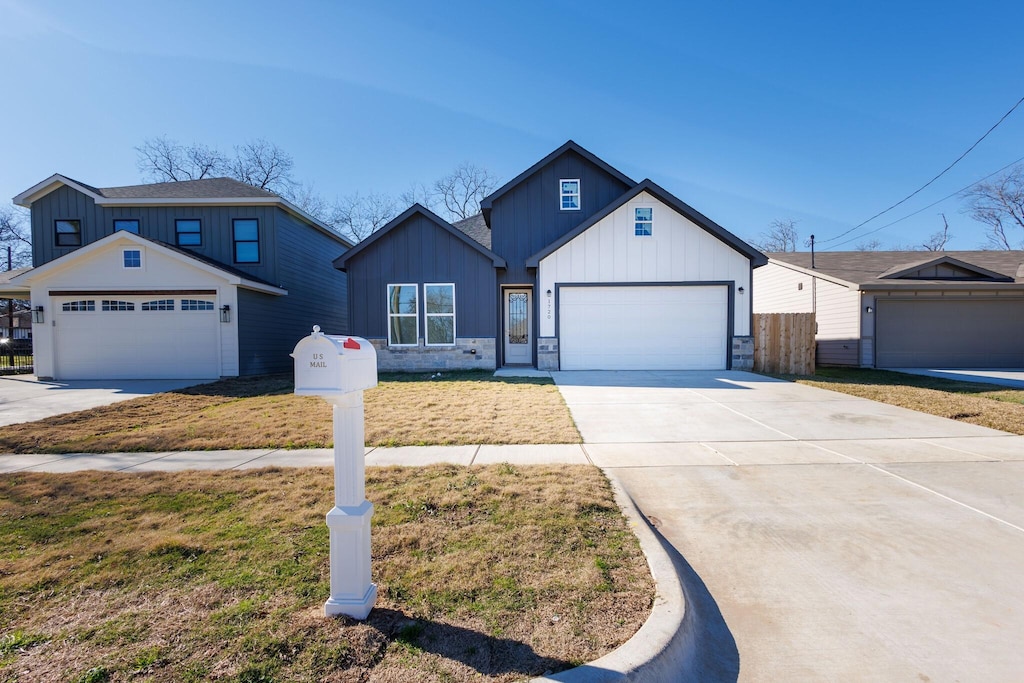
{"x":643,"y":328}
{"x":136,"y":344}
{"x":975,"y":333}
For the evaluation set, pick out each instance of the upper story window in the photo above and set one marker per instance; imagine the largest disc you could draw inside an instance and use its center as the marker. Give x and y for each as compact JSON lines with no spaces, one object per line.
{"x":247,"y":240}
{"x":403,"y":315}
{"x":643,"y":224}
{"x":569,"y":194}
{"x":439,"y":312}
{"x":68,"y":233}
{"x":132,"y":258}
{"x":188,"y":232}
{"x":127,"y":224}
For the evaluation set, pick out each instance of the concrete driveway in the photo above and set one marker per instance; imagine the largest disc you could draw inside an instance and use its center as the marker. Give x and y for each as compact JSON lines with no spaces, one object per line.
{"x":830,"y":537}
{"x":23,"y":398}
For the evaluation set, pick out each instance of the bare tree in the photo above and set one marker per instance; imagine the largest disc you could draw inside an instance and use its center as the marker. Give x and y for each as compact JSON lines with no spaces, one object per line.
{"x":163,"y":160}
{"x":264,"y":165}
{"x":15,"y":233}
{"x":869,"y":245}
{"x":781,"y":235}
{"x":937,"y":240}
{"x":418,"y":193}
{"x":459,"y":193}
{"x":999,"y":204}
{"x":357,"y":216}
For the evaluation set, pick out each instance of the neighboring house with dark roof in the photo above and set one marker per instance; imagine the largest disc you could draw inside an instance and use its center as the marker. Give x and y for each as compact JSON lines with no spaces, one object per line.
{"x":194,"y":279}
{"x":892,"y":309}
{"x":570,"y":265}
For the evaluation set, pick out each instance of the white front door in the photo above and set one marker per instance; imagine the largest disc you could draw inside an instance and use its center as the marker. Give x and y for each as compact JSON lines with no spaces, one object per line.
{"x":518,"y":334}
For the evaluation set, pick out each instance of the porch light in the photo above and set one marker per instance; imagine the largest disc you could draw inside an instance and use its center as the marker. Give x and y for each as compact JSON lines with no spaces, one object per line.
{"x":740,"y":290}
{"x":869,"y":309}
{"x":225,"y":313}
{"x":549,"y":293}
{"x":37,"y":315}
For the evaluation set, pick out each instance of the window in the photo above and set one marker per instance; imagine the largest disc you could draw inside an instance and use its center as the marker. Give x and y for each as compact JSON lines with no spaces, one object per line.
{"x":188,"y":232}
{"x":196,"y":305}
{"x":111,"y":305}
{"x":439,"y":310}
{"x":403,"y":318}
{"x":644,"y":221}
{"x":247,"y":240}
{"x":569,"y":192}
{"x":78,"y":306}
{"x":127,"y":224}
{"x":158,"y":305}
{"x":132,"y":258}
{"x":68,"y":233}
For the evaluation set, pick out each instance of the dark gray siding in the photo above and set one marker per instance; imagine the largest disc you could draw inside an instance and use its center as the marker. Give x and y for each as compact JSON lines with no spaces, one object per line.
{"x":155,"y":223}
{"x":270,"y":326}
{"x":417,"y":252}
{"x":838,"y":352}
{"x":527,"y":218}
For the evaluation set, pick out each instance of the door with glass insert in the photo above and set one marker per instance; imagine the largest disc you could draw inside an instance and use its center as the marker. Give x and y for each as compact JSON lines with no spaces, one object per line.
{"x":517,"y":331}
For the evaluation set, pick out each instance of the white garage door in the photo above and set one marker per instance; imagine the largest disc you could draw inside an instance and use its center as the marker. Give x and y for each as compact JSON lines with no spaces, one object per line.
{"x":643,"y":328}
{"x":136,"y":337}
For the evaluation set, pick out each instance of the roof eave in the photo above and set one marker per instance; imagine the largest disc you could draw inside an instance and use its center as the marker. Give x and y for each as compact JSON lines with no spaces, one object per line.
{"x":935,"y":285}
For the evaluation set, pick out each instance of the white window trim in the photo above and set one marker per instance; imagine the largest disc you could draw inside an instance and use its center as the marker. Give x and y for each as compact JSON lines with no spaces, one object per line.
{"x":427,"y":315}
{"x":562,"y":195}
{"x":389,"y":314}
{"x":125,"y":266}
{"x":637,"y":221}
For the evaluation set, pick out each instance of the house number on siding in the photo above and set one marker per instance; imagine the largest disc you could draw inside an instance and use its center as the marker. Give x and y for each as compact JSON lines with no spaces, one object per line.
{"x":549,"y":308}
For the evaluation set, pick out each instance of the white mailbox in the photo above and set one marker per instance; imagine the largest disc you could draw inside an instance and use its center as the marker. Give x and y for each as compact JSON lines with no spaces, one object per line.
{"x":328,"y":365}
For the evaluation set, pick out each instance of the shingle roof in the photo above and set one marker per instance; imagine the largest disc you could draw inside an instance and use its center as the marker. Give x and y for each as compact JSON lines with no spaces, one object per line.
{"x":207,"y":188}
{"x":867,"y":267}
{"x":476,"y":228}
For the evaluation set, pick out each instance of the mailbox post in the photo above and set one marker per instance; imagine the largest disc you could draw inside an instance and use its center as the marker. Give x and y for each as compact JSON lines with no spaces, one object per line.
{"x":339,"y":369}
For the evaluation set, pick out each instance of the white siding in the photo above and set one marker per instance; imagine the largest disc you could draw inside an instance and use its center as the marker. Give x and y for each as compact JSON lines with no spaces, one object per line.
{"x":677,"y":251}
{"x":837,"y":310}
{"x":778,"y":289}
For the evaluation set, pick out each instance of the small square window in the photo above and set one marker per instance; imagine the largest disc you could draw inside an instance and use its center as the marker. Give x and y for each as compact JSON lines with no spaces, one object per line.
{"x":569,"y":194}
{"x":188,"y":232}
{"x":127,"y":224}
{"x":132,"y":258}
{"x":643,"y":225}
{"x":68,"y":233}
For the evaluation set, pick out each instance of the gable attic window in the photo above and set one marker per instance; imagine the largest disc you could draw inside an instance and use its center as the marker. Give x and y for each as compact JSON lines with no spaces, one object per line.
{"x":132,"y":258}
{"x":403,"y":315}
{"x":569,"y":194}
{"x":246,"y":234}
{"x":127,"y":224}
{"x":188,"y":232}
{"x":643,"y":223}
{"x":68,"y":233}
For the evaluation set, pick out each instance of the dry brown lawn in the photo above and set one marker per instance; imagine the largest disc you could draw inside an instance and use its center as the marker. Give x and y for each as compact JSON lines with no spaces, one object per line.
{"x":485,"y":573}
{"x":262,"y":412}
{"x":982,"y":404}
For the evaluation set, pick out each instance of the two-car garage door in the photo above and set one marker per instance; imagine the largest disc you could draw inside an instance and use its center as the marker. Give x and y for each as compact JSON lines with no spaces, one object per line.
{"x":643,"y":327}
{"x":949,"y":333}
{"x":121,"y":336}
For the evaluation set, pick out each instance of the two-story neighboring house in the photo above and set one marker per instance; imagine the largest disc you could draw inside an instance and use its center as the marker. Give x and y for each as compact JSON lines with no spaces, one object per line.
{"x":570,"y":265}
{"x":195,"y":279}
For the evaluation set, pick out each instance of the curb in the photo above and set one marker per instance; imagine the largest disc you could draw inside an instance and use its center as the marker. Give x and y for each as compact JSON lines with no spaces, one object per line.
{"x":662,"y":650}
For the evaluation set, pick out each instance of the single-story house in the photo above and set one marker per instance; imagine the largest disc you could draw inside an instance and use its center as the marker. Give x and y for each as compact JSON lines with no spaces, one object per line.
{"x":569,"y":265}
{"x":892,"y":309}
{"x":197,"y":279}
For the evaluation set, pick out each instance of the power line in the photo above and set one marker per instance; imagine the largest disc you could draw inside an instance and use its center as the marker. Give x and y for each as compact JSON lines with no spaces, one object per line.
{"x":948,"y":196}
{"x":944,"y":171}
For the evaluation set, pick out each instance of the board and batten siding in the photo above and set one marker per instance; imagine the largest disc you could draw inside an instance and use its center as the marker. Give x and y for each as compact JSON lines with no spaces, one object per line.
{"x":677,"y":251}
{"x":528,"y":217}
{"x":270,"y":326}
{"x":155,"y":222}
{"x":419,"y":252}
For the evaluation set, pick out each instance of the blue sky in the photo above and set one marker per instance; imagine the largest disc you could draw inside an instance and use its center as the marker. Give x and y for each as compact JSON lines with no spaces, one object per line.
{"x":820,"y":112}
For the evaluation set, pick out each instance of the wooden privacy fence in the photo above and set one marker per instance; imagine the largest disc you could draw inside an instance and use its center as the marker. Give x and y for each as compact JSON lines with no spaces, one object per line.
{"x":784,"y":343}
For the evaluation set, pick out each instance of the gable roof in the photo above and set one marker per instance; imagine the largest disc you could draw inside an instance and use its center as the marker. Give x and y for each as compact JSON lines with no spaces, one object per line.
{"x":488,"y":201}
{"x":475,"y":227}
{"x":212,"y":191}
{"x":12,"y":290}
{"x":417,"y":209}
{"x":233,"y":275}
{"x":667,"y":198}
{"x":883,"y":269}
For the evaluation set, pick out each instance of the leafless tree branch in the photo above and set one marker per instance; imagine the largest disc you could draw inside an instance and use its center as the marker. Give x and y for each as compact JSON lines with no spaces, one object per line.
{"x":781,"y":236}
{"x":999,"y":204}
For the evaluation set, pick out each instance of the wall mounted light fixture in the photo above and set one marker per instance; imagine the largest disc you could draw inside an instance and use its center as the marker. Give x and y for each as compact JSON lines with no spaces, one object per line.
{"x":869,"y":309}
{"x":37,"y":315}
{"x":225,"y":313}
{"x":740,"y":290}
{"x":549,"y":293}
